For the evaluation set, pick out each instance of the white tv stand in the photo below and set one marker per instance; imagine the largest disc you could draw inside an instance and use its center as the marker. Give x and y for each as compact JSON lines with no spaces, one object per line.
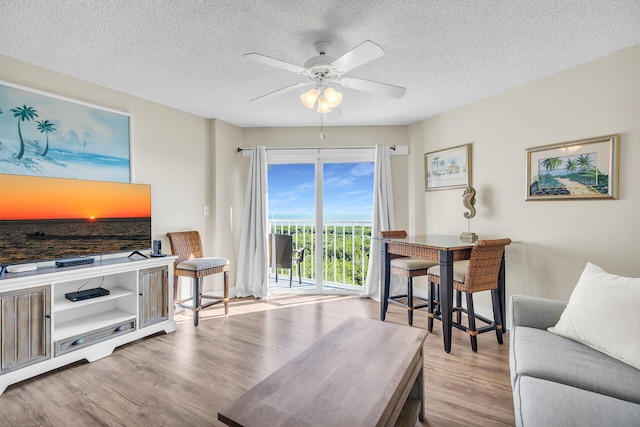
{"x":40,"y":330}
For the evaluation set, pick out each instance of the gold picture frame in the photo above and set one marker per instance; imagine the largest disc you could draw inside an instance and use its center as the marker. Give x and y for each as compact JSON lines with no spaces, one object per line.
{"x":582,"y":169}
{"x":448,"y":168}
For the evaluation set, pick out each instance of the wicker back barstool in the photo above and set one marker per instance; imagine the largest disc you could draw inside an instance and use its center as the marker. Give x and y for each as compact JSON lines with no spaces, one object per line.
{"x":407,"y":267}
{"x":187,"y":246}
{"x":479,"y":273}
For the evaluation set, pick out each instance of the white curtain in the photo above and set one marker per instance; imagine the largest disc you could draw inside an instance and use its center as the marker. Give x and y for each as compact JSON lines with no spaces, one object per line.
{"x":383,"y":219}
{"x":253,"y":268}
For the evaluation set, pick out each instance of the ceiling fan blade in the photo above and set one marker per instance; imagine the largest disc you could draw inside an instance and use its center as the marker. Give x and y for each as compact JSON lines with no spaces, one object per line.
{"x":373,"y":87}
{"x":267,"y":60}
{"x":281,"y":91}
{"x":365,"y":52}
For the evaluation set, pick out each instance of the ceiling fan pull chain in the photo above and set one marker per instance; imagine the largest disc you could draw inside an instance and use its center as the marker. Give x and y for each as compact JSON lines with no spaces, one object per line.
{"x":321,"y":134}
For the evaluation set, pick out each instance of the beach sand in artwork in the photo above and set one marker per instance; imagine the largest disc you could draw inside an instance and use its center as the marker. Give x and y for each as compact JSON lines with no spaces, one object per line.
{"x":577,"y":188}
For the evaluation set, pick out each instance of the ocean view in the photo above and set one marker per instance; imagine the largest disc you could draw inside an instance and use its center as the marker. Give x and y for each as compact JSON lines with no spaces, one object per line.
{"x":22,"y":241}
{"x":327,"y":217}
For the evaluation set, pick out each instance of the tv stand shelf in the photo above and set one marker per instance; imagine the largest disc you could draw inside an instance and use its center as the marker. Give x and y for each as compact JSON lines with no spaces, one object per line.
{"x":45,"y":331}
{"x":62,"y":304}
{"x":81,"y":325}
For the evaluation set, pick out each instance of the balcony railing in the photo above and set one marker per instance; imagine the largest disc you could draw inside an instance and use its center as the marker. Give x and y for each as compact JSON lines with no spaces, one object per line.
{"x":345,"y":249}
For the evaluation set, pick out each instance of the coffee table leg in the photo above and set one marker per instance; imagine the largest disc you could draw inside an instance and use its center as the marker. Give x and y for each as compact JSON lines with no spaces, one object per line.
{"x":420,"y":385}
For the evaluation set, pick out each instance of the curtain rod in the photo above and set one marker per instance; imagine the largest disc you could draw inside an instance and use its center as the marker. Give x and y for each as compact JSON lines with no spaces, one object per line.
{"x":393,"y":147}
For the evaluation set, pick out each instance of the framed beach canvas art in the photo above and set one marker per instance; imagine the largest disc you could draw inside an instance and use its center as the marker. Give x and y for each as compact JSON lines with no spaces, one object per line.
{"x":47,"y":135}
{"x":449,"y":168}
{"x":583,"y":169}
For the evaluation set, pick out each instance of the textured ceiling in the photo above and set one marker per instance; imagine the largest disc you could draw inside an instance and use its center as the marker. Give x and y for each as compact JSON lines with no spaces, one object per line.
{"x":187,"y":54}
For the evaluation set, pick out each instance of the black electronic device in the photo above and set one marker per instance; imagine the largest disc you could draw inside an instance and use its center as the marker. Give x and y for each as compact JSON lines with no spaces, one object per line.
{"x":86,"y":294}
{"x":69,"y":262}
{"x":157,"y":249}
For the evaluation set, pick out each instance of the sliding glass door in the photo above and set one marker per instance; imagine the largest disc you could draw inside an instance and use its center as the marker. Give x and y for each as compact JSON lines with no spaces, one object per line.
{"x":292,"y":212}
{"x":324,"y":203}
{"x":347,"y":190}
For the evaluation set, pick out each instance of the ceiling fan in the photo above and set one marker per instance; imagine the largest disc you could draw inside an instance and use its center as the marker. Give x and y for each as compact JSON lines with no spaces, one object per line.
{"x":322,"y":71}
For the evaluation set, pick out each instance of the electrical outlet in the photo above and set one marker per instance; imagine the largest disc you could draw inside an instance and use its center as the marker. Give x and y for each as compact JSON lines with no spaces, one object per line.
{"x":206,"y":210}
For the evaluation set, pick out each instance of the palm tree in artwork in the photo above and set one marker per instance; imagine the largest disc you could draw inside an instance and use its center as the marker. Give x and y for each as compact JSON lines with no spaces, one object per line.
{"x":435,"y":162}
{"x":551,"y":164}
{"x":23,"y":114}
{"x":571,"y":165}
{"x":46,"y":127}
{"x":584,"y":160}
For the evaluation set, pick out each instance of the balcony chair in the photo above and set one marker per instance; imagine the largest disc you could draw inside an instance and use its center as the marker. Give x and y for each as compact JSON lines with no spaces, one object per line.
{"x":407,"y":267}
{"x":479,"y":273}
{"x":187,"y":246}
{"x":281,"y":255}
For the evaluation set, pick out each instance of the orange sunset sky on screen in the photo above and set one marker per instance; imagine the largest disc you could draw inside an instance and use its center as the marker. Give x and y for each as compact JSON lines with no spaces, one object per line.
{"x":28,"y":197}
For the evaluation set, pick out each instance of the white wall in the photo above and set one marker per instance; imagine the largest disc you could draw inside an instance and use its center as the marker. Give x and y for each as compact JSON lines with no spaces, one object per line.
{"x":229,"y":182}
{"x":556,"y":238}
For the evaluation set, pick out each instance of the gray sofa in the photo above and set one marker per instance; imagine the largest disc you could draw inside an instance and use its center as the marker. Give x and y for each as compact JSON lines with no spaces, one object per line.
{"x":560,"y":382}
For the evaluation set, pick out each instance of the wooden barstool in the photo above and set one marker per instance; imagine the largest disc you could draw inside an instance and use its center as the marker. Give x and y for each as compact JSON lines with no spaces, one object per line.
{"x":187,"y":246}
{"x":479,"y":273}
{"x":407,"y":267}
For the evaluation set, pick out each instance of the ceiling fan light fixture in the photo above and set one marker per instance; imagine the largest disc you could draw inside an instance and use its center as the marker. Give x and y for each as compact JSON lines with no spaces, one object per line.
{"x":309,"y":98}
{"x":323,"y":70}
{"x":323,"y":105}
{"x":334,"y":98}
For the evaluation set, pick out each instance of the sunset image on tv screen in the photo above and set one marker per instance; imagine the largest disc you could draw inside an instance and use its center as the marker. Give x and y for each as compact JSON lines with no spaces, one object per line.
{"x":29,"y":197}
{"x":45,"y":218}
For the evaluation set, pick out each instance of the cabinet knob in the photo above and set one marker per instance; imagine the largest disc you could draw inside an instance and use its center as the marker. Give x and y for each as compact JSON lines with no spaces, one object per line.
{"x":79,"y":341}
{"x":47,"y":316}
{"x":120,"y":328}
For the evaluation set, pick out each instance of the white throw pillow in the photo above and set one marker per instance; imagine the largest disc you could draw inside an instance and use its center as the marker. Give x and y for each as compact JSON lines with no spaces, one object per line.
{"x":604,"y":313}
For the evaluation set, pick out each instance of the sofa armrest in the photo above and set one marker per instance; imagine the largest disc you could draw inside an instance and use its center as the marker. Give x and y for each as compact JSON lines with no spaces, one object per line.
{"x":535,"y":312}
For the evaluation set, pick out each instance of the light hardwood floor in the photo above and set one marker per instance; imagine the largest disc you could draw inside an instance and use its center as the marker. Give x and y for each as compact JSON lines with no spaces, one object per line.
{"x":184,"y":378}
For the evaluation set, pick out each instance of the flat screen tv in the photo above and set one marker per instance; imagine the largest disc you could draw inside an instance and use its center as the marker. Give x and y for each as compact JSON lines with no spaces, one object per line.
{"x":43,"y":219}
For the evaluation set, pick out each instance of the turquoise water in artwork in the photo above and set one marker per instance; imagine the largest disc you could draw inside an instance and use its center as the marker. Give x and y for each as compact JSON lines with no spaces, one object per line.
{"x":66,"y":164}
{"x":90,"y":159}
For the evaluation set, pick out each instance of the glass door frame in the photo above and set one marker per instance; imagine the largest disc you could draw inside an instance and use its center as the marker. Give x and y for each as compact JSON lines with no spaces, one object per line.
{"x":318,"y":157}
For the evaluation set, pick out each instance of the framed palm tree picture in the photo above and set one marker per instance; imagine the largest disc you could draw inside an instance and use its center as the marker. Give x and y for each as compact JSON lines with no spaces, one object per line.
{"x":448,"y":168}
{"x":583,"y":169}
{"x":43,"y":134}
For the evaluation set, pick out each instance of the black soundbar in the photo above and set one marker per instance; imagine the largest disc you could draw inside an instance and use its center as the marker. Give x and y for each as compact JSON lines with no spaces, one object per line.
{"x":73,"y":261}
{"x":86,"y":294}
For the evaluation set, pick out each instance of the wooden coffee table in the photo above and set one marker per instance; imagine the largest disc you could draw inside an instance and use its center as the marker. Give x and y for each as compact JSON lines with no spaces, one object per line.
{"x":363,"y":373}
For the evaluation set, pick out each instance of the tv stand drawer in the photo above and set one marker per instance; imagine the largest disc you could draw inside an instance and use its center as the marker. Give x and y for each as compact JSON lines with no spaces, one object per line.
{"x":83,"y":340}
